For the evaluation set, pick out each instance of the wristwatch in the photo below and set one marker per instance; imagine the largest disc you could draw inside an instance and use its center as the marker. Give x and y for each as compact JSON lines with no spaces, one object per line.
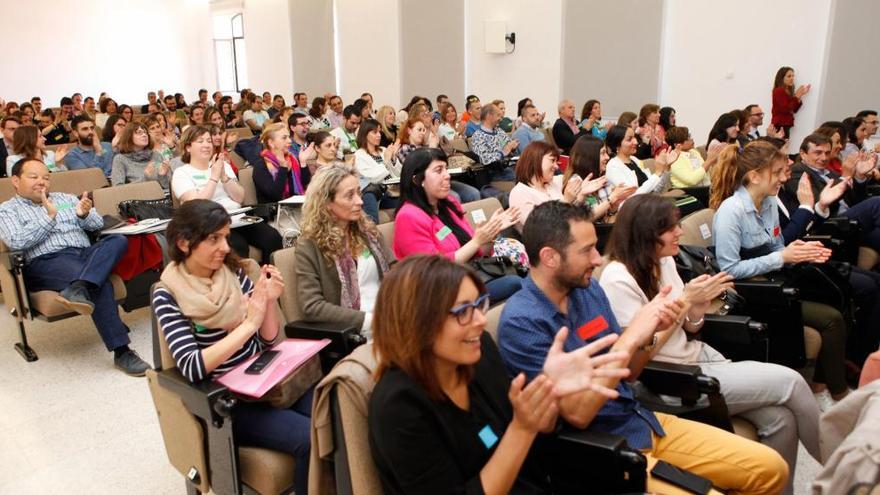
{"x":650,"y":347}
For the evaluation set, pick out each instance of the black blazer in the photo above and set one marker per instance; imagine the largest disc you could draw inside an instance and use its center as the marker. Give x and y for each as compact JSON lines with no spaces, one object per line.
{"x":422,"y":446}
{"x":794,"y":224}
{"x":271,"y":190}
{"x":3,"y":155}
{"x":852,"y":196}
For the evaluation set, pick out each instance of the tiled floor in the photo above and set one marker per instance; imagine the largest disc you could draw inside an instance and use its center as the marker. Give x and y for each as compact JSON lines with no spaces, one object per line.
{"x":71,"y":423}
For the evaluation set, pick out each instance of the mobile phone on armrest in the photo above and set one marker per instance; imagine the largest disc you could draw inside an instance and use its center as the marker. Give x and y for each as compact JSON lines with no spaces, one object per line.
{"x":681,"y":478}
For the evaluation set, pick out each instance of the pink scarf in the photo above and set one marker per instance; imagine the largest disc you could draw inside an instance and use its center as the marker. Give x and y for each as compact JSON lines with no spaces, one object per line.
{"x":294,"y":171}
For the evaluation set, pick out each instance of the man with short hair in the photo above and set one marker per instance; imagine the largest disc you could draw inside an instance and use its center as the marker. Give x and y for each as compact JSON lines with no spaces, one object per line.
{"x":50,"y":228}
{"x":77,"y":104}
{"x":89,"y":152}
{"x":466,"y":116}
{"x":566,"y":126}
{"x":216,"y":97}
{"x":872,"y":140}
{"x":58,"y":132}
{"x":473,"y":108}
{"x":277,"y":106}
{"x":298,"y":123}
{"x":170,"y":103}
{"x":151,"y":100}
{"x":530,"y":129}
{"x":8,"y":124}
{"x":334,"y":115}
{"x":441,"y":100}
{"x":301,"y":103}
{"x":490,"y":144}
{"x":203,"y":98}
{"x":756,"y":119}
{"x":38,"y":105}
{"x":560,"y":240}
{"x":347,"y":132}
{"x":255,"y":117}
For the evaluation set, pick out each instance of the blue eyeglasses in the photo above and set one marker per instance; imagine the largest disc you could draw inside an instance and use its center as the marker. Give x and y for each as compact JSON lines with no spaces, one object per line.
{"x":464,"y":313}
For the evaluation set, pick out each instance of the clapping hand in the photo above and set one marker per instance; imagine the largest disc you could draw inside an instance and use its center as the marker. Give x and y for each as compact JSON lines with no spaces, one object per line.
{"x":48,"y":204}
{"x":501,"y":219}
{"x":833,"y":192}
{"x":272,"y":281}
{"x":150,"y":169}
{"x":802,"y":90}
{"x":308,"y":154}
{"x":84,"y":206}
{"x":216,"y":167}
{"x":164,"y":168}
{"x":665,"y":159}
{"x":620,"y":194}
{"x":805,"y":191}
{"x":805,"y":252}
{"x":866,"y":163}
{"x":702,"y":290}
{"x":659,"y":314}
{"x":534,"y":406}
{"x":575,"y":371}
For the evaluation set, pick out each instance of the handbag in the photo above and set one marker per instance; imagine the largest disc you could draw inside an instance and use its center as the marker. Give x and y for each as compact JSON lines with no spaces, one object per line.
{"x":693,"y":261}
{"x":489,"y":268}
{"x":141,"y":209}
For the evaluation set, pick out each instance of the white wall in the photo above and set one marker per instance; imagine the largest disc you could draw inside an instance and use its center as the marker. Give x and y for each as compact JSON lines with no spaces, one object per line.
{"x":720,"y":55}
{"x":533,"y":70}
{"x":268,"y":46}
{"x":369,"y":50}
{"x":57,"y":48}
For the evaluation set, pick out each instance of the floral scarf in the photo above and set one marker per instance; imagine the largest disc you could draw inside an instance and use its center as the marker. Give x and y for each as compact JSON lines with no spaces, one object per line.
{"x":295,"y":173}
{"x":346,"y":266}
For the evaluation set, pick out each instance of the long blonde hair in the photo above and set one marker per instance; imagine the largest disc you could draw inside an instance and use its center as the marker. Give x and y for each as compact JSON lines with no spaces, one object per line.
{"x":381,"y":117}
{"x":321,"y":227}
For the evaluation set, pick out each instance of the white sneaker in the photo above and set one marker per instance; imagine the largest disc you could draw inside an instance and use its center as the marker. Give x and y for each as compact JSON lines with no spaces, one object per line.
{"x":824,"y":400}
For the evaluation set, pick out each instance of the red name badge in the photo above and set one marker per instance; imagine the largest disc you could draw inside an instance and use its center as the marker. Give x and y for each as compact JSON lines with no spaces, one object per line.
{"x":592,"y":328}
{"x":776,"y":231}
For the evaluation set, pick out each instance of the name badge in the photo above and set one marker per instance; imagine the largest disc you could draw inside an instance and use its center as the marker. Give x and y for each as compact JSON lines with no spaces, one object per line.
{"x":592,"y":328}
{"x":63,"y":206}
{"x":776,"y":231}
{"x":199,"y":328}
{"x":488,"y":436}
{"x":442,"y":233}
{"x":200,"y":177}
{"x":367,"y":253}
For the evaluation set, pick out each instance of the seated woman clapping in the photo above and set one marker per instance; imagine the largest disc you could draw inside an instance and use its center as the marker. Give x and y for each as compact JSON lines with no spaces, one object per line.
{"x":279,"y":174}
{"x":444,"y":416}
{"x":776,"y":399}
{"x":214,"y":317}
{"x":589,"y":156}
{"x":537,"y":181}
{"x":137,"y":161}
{"x":206,"y":175}
{"x":431,"y":221}
{"x":340,"y":256}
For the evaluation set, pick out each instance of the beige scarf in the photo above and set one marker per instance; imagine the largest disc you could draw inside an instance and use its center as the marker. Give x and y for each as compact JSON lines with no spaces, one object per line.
{"x":214,"y":302}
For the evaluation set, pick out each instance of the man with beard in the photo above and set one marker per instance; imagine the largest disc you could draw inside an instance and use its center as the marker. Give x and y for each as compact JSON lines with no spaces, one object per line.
{"x":560,"y":240}
{"x":89,"y":151}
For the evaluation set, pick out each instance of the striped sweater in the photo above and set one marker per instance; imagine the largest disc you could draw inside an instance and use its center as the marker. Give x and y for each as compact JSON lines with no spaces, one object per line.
{"x":186,"y":340}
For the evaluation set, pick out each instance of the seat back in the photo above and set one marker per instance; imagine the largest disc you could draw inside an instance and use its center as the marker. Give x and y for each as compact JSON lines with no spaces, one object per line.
{"x":493,"y":318}
{"x":241,"y":132}
{"x":285,"y":261}
{"x":107,"y":199}
{"x":237,"y":160}
{"x":482,"y":209}
{"x":649,"y":164}
{"x":386,"y":230}
{"x":697,"y":228}
{"x":10,"y":287}
{"x":182,"y":433}
{"x":548,"y":136}
{"x":246,"y":179}
{"x":354,"y":466}
{"x":76,"y":181}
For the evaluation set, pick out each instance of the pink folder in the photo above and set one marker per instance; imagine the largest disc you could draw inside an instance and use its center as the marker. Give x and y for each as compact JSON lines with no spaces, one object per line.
{"x":294,"y":352}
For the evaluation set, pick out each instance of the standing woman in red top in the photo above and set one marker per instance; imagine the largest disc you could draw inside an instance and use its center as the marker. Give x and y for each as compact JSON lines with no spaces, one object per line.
{"x":786,"y":99}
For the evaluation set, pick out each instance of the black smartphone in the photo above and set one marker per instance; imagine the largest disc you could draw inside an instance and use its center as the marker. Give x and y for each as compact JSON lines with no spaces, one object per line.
{"x":261,"y":363}
{"x":681,"y":478}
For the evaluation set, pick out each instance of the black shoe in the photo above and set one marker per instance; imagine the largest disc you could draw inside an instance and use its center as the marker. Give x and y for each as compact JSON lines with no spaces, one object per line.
{"x":76,"y":298}
{"x":130,"y":363}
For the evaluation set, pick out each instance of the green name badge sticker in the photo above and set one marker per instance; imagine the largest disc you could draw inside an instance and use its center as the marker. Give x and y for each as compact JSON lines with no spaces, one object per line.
{"x":63,"y":206}
{"x":199,"y":328}
{"x":442,"y":233}
{"x":200,"y":177}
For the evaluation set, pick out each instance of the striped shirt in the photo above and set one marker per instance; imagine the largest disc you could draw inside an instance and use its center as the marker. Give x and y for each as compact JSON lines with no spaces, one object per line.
{"x":25,"y":226}
{"x":186,"y":339}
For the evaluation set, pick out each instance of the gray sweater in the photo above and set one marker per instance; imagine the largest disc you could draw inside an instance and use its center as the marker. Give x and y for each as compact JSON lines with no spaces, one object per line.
{"x":125,"y":171}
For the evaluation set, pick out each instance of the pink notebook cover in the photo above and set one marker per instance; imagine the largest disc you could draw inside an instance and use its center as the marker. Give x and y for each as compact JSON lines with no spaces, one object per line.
{"x":294,"y":352}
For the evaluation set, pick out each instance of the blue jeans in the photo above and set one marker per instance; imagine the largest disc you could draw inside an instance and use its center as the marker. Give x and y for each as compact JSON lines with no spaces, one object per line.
{"x":285,"y":430}
{"x":503,"y":287}
{"x":55,"y":271}
{"x":465,"y":193}
{"x":372,"y":203}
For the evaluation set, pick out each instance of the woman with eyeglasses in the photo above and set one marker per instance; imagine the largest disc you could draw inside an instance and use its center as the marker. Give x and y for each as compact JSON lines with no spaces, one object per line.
{"x":444,"y":416}
{"x":136,"y":161}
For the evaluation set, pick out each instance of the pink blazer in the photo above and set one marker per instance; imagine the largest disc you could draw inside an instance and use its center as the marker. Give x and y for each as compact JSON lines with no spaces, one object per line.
{"x":417,"y":233}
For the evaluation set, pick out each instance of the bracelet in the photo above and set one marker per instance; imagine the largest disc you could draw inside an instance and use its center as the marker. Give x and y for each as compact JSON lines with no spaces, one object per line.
{"x":697,"y":323}
{"x":215,"y":180}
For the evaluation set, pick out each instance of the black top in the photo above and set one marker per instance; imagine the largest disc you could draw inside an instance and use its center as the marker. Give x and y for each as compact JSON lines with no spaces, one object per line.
{"x":563,"y":136}
{"x":384,"y":140}
{"x":423,"y":447}
{"x":58,"y":135}
{"x":271,"y":190}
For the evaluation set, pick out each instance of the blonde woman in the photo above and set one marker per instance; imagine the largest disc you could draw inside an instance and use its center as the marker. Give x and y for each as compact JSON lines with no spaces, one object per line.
{"x":279,"y":174}
{"x":340,"y":256}
{"x":387,"y":125}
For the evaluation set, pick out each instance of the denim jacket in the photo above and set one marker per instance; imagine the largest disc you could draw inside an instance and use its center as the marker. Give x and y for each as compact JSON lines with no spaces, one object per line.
{"x":739,"y":228}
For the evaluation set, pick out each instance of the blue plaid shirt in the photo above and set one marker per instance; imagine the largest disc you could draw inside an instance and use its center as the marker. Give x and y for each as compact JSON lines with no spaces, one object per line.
{"x":528,"y":325}
{"x":25,"y":226}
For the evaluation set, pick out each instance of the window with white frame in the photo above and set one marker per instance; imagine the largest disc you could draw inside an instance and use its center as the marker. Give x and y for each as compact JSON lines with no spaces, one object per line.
{"x":229,"y":53}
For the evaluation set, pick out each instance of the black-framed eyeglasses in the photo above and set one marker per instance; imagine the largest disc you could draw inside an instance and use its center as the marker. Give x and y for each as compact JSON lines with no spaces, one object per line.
{"x":464,"y":313}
